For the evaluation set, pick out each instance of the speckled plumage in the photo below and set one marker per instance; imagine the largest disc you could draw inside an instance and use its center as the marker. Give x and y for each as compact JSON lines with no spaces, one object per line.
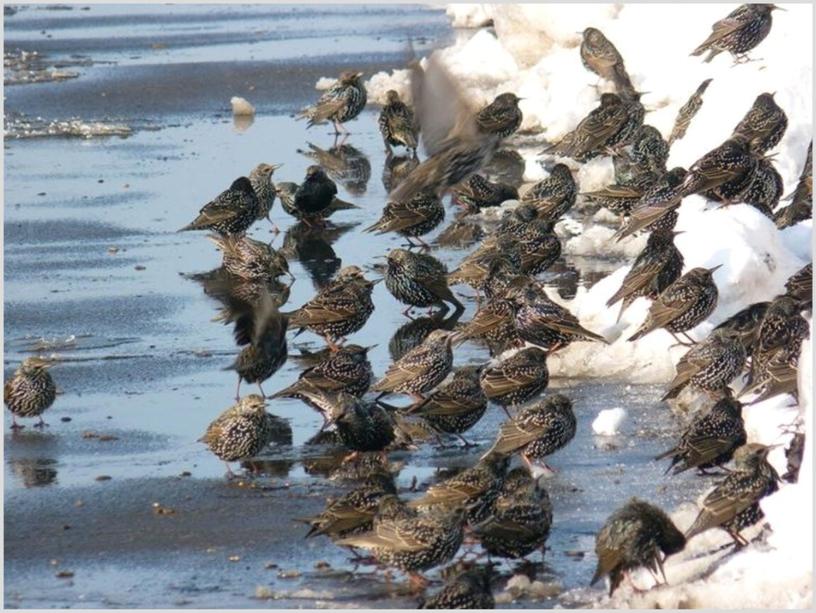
{"x":233,"y":211}
{"x":766,"y":188}
{"x":455,"y":407}
{"x":649,"y":152}
{"x":31,"y":390}
{"x":494,"y":322}
{"x":361,"y":426}
{"x":250,"y":259}
{"x":710,"y":365}
{"x":412,"y":218}
{"x":517,"y":379}
{"x":764,"y":124}
{"x":342,"y":102}
{"x":687,"y":112}
{"x":744,"y":324}
{"x":801,"y":207}
{"x":421,"y":369}
{"x":418,"y":279}
{"x":397,"y":122}
{"x":465,"y":589}
{"x":600,"y":56}
{"x":240,"y":432}
{"x":261,"y":179}
{"x":478,"y":193}
{"x":656,"y":207}
{"x":600,"y":129}
{"x":800,"y":286}
{"x":739,"y":32}
{"x":554,"y":196}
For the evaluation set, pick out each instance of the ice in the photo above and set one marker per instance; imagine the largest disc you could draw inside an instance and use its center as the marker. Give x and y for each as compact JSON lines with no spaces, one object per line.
{"x":241,"y":106}
{"x":609,"y":421}
{"x":380,"y":82}
{"x":469,"y":15}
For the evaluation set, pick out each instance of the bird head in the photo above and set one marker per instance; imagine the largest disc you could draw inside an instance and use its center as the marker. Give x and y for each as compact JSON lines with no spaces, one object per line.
{"x":593,"y":36}
{"x":398,"y":257}
{"x":35,"y":364}
{"x":439,"y":336}
{"x":314,"y":172}
{"x":392,"y":96}
{"x":506,"y":99}
{"x":350,"y":77}
{"x":252,"y":404}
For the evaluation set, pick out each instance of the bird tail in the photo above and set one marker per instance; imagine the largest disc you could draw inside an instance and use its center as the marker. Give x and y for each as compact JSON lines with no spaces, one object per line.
{"x":642,"y":331}
{"x":373,"y":227}
{"x":671,"y":394}
{"x":193,"y":225}
{"x":341,"y":205}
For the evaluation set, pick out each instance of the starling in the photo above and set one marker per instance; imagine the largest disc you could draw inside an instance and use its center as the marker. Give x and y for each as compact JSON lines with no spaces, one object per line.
{"x":763,"y":125}
{"x":454,"y":407}
{"x":344,"y":163}
{"x":733,"y":504}
{"x":687,"y":112}
{"x":361,"y":426}
{"x":742,"y":30}
{"x":418,"y":280}
{"x":233,"y":211}
{"x":397,"y":123}
{"x":412,"y":543}
{"x":347,"y":370}
{"x":478,"y":193}
{"x":766,"y":189}
{"x":657,"y":206}
{"x":710,"y":440}
{"x":396,"y":168}
{"x":800,"y":286}
{"x":683,"y":305}
{"x":801,"y":207}
{"x":544,"y":323}
{"x":794,"y":454}
{"x":467,"y":588}
{"x":514,"y":221}
{"x":241,"y":432}
{"x":315,"y":194}
{"x":262,"y":329}
{"x":520,"y":520}
{"x":554,"y":196}
{"x":342,"y":102}
{"x":710,"y":365}
{"x":517,"y":379}
{"x":655,"y":268}
{"x":744,"y":324}
{"x":412,"y":218}
{"x":494,"y":323}
{"x":506,"y":166}
{"x":649,"y":152}
{"x":341,"y":308}
{"x":490,"y":268}
{"x":261,"y":179}
{"x":632,"y":537}
{"x":537,"y":431}
{"x":462,"y":232}
{"x":287,"y":192}
{"x":251,"y":260}
{"x":30,"y":391}
{"x":619,"y":198}
{"x":353,"y":513}
{"x":600,"y":56}
{"x":539,"y":248}
{"x":595,"y":133}
{"x":415,"y":331}
{"x":474,"y":488}
{"x":421,"y":369}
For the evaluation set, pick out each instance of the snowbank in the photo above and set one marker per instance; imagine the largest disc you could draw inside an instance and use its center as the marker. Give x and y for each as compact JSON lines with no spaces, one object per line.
{"x":609,"y":421}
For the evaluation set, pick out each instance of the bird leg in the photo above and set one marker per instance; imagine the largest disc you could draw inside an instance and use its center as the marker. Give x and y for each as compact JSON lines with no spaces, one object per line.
{"x":263,"y":395}
{"x":407,"y":312}
{"x":351,"y":457}
{"x":691,"y":340}
{"x":507,"y":412}
{"x":238,"y":390}
{"x":41,"y":423}
{"x":417,"y":397}
{"x":15,"y":425}
{"x":739,"y":540}
{"x":662,"y":571}
{"x":417,"y":582}
{"x":465,"y":442}
{"x":230,"y":474}
{"x":422,"y":243}
{"x":330,"y":342}
{"x":679,"y":342}
{"x":275,"y":228}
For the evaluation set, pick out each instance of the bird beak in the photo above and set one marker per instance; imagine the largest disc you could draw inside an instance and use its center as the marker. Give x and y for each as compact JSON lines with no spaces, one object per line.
{"x":775,"y":7}
{"x":359,"y":74}
{"x":370,"y":347}
{"x":275,"y":166}
{"x":375,"y":281}
{"x":678,"y":232}
{"x":711,"y":270}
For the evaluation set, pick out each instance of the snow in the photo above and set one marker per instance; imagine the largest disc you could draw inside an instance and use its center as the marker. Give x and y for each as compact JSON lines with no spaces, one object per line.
{"x":469,"y":15}
{"x":609,"y":421}
{"x":241,"y":106}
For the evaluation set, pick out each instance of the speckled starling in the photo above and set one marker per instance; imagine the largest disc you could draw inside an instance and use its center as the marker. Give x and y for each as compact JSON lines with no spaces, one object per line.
{"x":657,"y":206}
{"x":766,"y":189}
{"x":251,"y":260}
{"x":342,"y":102}
{"x":287,"y":192}
{"x":801,"y":207}
{"x":412,"y":218}
{"x":554,"y":196}
{"x":764,"y":124}
{"x":421,"y":369}
{"x":341,"y":308}
{"x":497,"y":255}
{"x":478,"y":193}
{"x":474,"y":488}
{"x":733,"y":504}
{"x":537,"y":431}
{"x":520,"y":520}
{"x":467,"y":588}
{"x":30,"y":391}
{"x":600,"y":56}
{"x":632,"y":537}
{"x":361,"y":426}
{"x":494,"y":322}
{"x":396,"y":168}
{"x":233,"y":211}
{"x":620,"y":198}
{"x":539,"y":248}
{"x":460,"y":233}
{"x":414,"y":331}
{"x":353,"y":512}
{"x":261,"y":179}
{"x":683,"y":305}
{"x":800,"y":286}
{"x":710,"y":440}
{"x":418,"y":280}
{"x":649,"y":151}
{"x":744,"y":324}
{"x":397,"y":123}
{"x":710,"y":365}
{"x":595,"y":133}
{"x":742,"y":30}
{"x":344,"y":163}
{"x":241,"y":432}
{"x":456,"y":406}
{"x":517,"y":379}
{"x":655,"y":268}
{"x":687,"y":112}
{"x":544,"y":323}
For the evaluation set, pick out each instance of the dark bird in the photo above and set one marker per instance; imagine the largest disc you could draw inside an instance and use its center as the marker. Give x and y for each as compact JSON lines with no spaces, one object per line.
{"x":766,"y":188}
{"x":649,"y":152}
{"x":655,"y":268}
{"x":764,"y":124}
{"x":341,"y":308}
{"x":411,"y":218}
{"x":539,"y":247}
{"x":314,"y":195}
{"x":478,"y":193}
{"x":744,"y":324}
{"x":600,"y":56}
{"x":418,"y":280}
{"x":342,"y":102}
{"x":233,"y":211}
{"x":343,"y":163}
{"x":794,"y":454}
{"x":710,"y":365}
{"x":621,"y":197}
{"x":537,"y":431}
{"x":554,"y":196}
{"x":632,"y":537}
{"x":261,"y":180}
{"x":596,"y":133}
{"x":742,"y":30}
{"x":467,"y":588}
{"x":421,"y":369}
{"x":396,"y":168}
{"x":517,"y":379}
{"x":733,"y":504}
{"x":455,"y":407}
{"x":494,"y":323}
{"x":801,"y":206}
{"x":241,"y":432}
{"x":800,"y":286}
{"x":30,"y":391}
{"x":251,"y":260}
{"x":657,"y":206}
{"x":361,"y":426}
{"x":397,"y":123}
{"x":520,"y":520}
{"x":687,"y":112}
{"x":287,"y":192}
{"x":710,"y":440}
{"x":683,"y":305}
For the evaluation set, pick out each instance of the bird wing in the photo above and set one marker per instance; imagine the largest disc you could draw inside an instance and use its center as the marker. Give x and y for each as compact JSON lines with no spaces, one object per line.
{"x":327,"y":105}
{"x":329,"y":307}
{"x":483,"y":321}
{"x":725,"y":502}
{"x":688,"y":366}
{"x":703,"y":449}
{"x":496,"y":382}
{"x":616,"y":191}
{"x":608,"y":559}
{"x":389,"y":535}
{"x":513,"y":435}
{"x":718,"y":31}
{"x":567,"y":323}
{"x":636,"y":279}
{"x":408,"y":367}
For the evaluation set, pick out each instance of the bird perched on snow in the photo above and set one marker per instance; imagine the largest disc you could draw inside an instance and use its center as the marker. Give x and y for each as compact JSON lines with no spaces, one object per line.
{"x":411,"y":218}
{"x":632,"y":537}
{"x":744,"y":324}
{"x":764,"y":124}
{"x":800,"y":286}
{"x":261,"y":179}
{"x":30,"y":391}
{"x":687,"y":112}
{"x":742,"y":30}
{"x":233,"y":211}
{"x":766,"y":188}
{"x":595,"y":133}
{"x":421,"y":369}
{"x":649,"y":152}
{"x":656,"y":208}
{"x":683,"y":305}
{"x":397,"y":123}
{"x":554,"y":196}
{"x":342,"y":102}
{"x":733,"y":504}
{"x":418,"y":280}
{"x":801,"y":206}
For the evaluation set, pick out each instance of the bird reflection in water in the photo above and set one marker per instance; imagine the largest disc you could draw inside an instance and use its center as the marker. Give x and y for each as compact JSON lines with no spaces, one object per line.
{"x":345,"y":164}
{"x":312,"y":247}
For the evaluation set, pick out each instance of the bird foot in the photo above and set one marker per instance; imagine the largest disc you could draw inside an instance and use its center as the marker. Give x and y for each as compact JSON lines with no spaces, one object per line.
{"x":16,"y":426}
{"x":417,"y":582}
{"x":41,"y":424}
